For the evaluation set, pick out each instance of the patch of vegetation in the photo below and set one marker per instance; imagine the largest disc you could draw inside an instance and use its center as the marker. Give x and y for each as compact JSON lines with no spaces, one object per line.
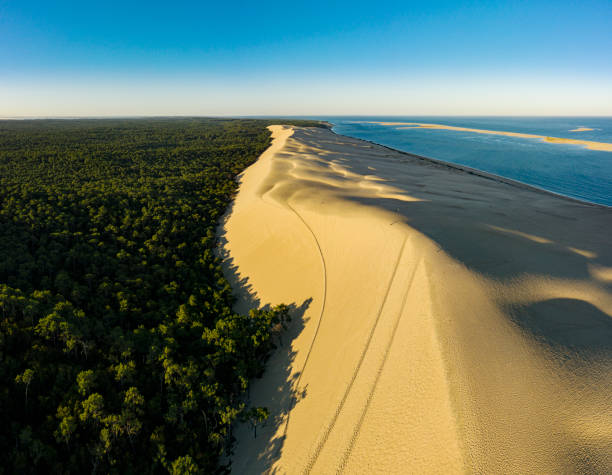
{"x":119,"y":349}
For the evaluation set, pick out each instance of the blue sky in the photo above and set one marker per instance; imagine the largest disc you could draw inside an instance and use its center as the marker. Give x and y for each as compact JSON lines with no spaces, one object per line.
{"x":295,"y":58}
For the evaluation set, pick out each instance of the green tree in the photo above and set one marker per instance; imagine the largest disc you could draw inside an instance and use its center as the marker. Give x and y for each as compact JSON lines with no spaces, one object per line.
{"x":92,"y":408}
{"x":25,"y":378}
{"x":85,"y":382}
{"x":112,"y":296}
{"x":256,"y":416}
{"x":184,"y":466}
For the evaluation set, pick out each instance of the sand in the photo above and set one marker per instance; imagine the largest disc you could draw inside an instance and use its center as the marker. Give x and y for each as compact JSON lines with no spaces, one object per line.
{"x":581,"y":129}
{"x":443,"y":322}
{"x":600,"y":146}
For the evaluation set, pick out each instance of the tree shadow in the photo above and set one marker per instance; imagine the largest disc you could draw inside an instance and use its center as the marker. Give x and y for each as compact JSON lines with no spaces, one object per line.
{"x":245,"y":297}
{"x":276,"y":390}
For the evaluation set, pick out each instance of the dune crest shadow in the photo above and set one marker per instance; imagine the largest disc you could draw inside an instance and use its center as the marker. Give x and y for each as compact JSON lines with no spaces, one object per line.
{"x":566,"y":324}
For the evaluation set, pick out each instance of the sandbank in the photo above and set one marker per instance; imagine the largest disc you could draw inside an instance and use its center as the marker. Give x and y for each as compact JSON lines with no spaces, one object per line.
{"x":444,"y":322}
{"x":591,"y":145}
{"x":581,"y":129}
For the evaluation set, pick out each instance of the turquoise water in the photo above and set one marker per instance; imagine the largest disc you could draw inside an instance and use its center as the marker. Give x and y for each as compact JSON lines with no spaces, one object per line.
{"x":570,"y":170}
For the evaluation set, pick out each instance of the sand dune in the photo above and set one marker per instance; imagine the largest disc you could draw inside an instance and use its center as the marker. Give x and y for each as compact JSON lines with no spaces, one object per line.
{"x":444,"y":322}
{"x":600,"y":146}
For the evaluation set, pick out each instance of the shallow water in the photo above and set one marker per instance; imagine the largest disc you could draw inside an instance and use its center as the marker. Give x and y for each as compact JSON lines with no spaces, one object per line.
{"x":570,"y":170}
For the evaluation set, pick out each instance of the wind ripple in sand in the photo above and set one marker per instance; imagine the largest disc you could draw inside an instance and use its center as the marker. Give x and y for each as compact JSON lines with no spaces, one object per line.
{"x":447,"y":337}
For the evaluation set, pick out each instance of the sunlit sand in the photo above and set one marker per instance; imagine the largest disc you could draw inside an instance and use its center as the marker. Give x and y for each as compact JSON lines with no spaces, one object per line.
{"x":600,"y":146}
{"x":581,"y":129}
{"x":443,"y":322}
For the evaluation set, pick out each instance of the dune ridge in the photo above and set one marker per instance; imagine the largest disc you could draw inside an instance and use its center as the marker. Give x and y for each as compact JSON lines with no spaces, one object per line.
{"x":443,"y":322}
{"x":591,"y":145}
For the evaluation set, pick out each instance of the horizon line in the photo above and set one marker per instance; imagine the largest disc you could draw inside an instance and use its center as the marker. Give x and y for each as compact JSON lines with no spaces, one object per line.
{"x":280,"y":116}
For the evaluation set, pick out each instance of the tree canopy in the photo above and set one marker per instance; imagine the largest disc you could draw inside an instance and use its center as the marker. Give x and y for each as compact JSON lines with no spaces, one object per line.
{"x":119,"y":348}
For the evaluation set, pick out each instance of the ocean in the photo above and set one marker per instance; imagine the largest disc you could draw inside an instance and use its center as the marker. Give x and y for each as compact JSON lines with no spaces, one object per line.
{"x":570,"y":170}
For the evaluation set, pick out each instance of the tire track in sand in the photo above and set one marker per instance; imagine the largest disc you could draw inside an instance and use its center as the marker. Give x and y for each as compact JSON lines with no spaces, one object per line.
{"x":315,"y":455}
{"x":324,"y":298}
{"x":314,"y":337}
{"x":357,"y":429}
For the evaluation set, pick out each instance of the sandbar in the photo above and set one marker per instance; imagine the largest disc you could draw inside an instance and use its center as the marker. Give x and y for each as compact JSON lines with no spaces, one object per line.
{"x":591,"y":145}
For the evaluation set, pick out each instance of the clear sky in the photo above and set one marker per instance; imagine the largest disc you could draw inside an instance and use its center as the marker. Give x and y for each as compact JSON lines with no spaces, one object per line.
{"x":222,"y":57}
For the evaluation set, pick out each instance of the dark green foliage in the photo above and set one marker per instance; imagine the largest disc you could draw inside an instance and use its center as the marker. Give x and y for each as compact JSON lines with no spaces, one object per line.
{"x":119,"y":350}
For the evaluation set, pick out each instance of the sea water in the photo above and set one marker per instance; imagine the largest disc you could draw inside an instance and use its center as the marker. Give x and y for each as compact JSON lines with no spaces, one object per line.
{"x":570,"y":170}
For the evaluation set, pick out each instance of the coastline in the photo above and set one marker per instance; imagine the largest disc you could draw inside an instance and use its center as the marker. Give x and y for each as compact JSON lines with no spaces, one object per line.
{"x":481,"y":173}
{"x":442,"y":322}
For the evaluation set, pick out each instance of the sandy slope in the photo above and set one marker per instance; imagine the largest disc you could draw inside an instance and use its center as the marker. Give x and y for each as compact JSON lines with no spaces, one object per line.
{"x":444,"y":322}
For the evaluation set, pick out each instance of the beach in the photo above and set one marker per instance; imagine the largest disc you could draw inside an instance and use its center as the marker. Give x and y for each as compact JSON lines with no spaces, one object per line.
{"x":443,"y":321}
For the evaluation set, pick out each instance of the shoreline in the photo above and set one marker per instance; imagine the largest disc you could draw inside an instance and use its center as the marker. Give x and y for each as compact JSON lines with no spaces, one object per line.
{"x":477,"y":172}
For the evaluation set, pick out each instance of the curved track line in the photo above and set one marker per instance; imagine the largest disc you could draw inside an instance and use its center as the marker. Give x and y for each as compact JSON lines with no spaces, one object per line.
{"x":357,"y":429}
{"x":297,"y":384}
{"x":315,"y":455}
{"x":324,"y":298}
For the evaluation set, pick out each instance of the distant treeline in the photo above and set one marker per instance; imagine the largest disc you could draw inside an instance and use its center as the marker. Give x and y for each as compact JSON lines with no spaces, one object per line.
{"x":119,"y":349}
